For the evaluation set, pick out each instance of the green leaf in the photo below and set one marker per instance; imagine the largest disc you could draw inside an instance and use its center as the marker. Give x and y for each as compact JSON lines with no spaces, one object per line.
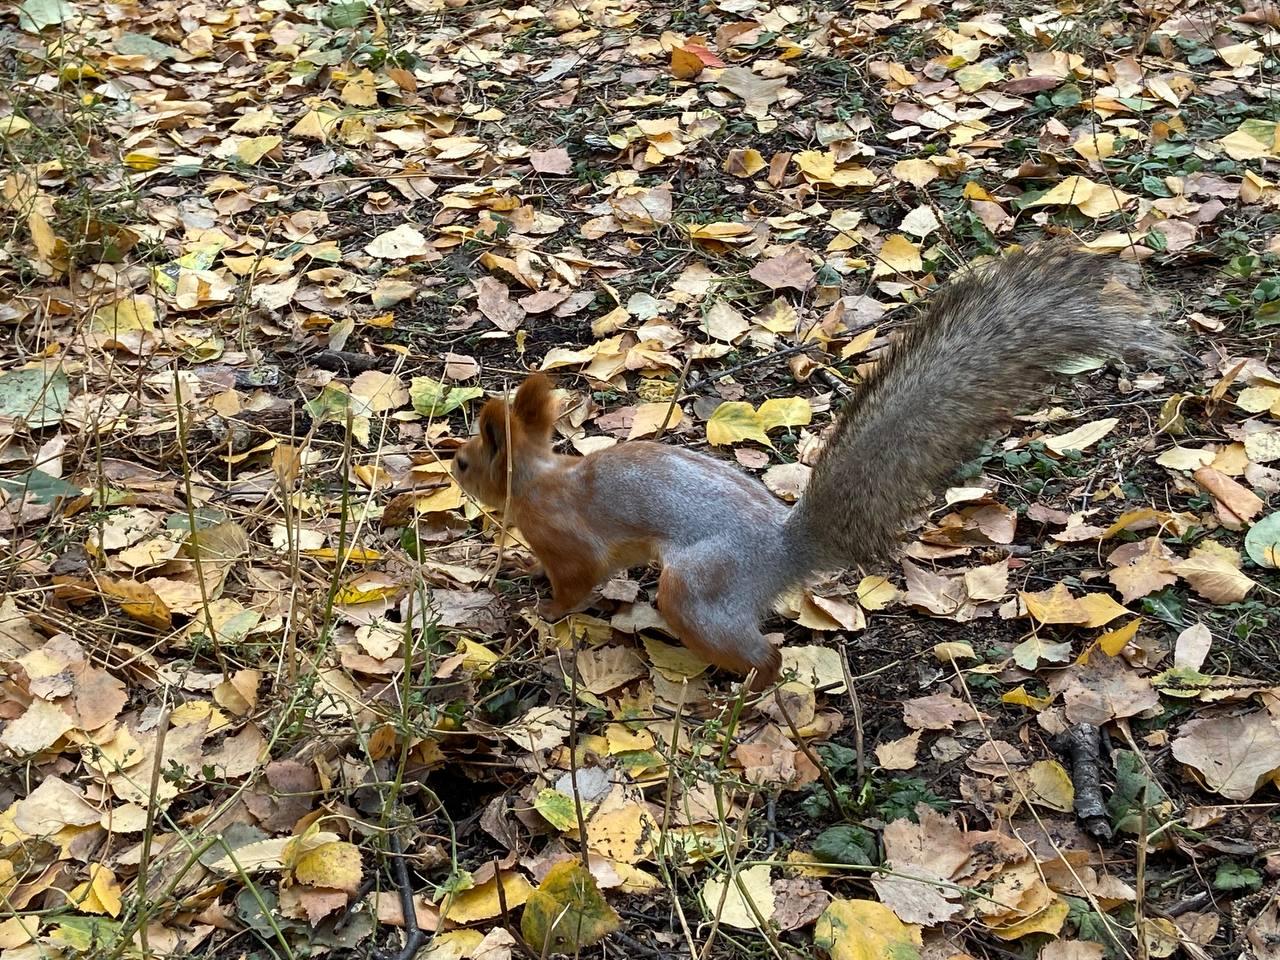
{"x":1262,"y":542}
{"x":1134,"y":790}
{"x":34,"y":396}
{"x":345,"y":16}
{"x":39,"y":487}
{"x":846,"y":844}
{"x":141,"y":45}
{"x":556,"y":808}
{"x":330,"y":405}
{"x":35,"y":15}
{"x":431,"y":399}
{"x":567,"y":913}
{"x":1232,"y":876}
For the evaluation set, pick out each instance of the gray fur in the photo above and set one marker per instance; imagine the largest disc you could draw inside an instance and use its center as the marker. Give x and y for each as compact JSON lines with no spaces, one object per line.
{"x":984,"y":348}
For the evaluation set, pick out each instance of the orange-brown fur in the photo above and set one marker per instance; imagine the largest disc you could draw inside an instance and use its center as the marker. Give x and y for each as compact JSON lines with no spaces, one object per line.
{"x":726,"y":546}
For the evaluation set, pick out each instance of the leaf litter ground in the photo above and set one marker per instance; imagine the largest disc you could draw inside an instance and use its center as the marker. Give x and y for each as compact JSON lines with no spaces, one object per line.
{"x":272,"y":686}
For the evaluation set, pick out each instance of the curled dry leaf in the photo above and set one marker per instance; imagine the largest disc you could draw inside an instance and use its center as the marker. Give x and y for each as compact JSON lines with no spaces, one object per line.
{"x":1234,"y":755}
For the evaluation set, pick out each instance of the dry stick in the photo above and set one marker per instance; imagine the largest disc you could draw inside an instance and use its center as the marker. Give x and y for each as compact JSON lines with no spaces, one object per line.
{"x":724,"y":891}
{"x":1140,"y":881}
{"x":192,"y":532}
{"x":833,"y":794}
{"x":573,"y":754}
{"x":666,"y":818}
{"x":144,"y":864}
{"x":506,"y":503}
{"x":675,"y":398}
{"x":858,"y":746}
{"x":1107,"y":922}
{"x":414,"y":936}
{"x":516,"y":935}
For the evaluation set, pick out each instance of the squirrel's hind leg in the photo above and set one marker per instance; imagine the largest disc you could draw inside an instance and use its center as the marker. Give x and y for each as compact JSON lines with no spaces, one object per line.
{"x":710,"y":624}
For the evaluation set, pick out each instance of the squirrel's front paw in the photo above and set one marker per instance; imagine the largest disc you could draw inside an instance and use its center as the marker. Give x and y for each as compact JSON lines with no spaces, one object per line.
{"x":529,"y":566}
{"x":551,"y":610}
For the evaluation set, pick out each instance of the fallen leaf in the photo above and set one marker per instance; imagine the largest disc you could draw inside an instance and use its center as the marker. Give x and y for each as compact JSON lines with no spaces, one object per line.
{"x":1234,"y":754}
{"x":865,"y":930}
{"x":737,"y":903}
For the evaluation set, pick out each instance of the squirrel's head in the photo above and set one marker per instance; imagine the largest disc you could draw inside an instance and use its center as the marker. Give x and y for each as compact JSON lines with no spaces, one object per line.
{"x":521,"y":430}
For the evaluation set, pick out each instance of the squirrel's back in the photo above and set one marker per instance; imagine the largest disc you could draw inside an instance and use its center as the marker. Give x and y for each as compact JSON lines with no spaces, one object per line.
{"x":986,"y":346}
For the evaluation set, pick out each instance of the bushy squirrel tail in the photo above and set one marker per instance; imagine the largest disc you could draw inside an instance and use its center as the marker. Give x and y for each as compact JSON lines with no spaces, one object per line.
{"x":986,"y":346}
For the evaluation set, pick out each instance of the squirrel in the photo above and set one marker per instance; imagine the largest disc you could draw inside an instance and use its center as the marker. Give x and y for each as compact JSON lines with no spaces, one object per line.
{"x":986,"y":345}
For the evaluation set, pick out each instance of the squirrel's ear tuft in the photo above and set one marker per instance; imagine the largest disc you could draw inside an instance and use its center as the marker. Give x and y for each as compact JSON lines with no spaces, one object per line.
{"x":535,"y":406}
{"x":493,"y":425}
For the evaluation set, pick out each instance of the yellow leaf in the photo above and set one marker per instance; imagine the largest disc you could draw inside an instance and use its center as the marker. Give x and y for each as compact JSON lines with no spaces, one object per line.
{"x":253,"y":149}
{"x":785,"y":412}
{"x":353,"y":555}
{"x":1099,"y":609}
{"x":732,"y":902}
{"x":1097,"y":145}
{"x":99,"y":894}
{"x":361,"y":90}
{"x":482,"y":902}
{"x":13,"y":124}
{"x":1082,"y":437}
{"x":142,"y":160}
{"x":876,"y":593}
{"x":816,"y":164}
{"x":315,"y":125}
{"x":719,"y":231}
{"x":1020,"y":697}
{"x":18,"y":931}
{"x":567,"y":912}
{"x":1055,"y":605}
{"x":335,"y":864}
{"x":1048,"y":784}
{"x":124,"y":316}
{"x":1113,"y":641}
{"x":915,"y":171}
{"x":1071,"y":191}
{"x":897,"y":255}
{"x":476,"y":657}
{"x":744,"y":163}
{"x":866,"y":930}
{"x":1049,"y":920}
{"x":674,"y":663}
{"x":734,"y":422}
{"x":652,"y":417}
{"x":952,"y":651}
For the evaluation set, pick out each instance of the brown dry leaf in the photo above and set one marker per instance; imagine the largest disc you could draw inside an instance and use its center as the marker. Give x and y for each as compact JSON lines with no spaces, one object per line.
{"x":1234,"y":755}
{"x":939,"y":711}
{"x":555,"y":161}
{"x":494,"y":301}
{"x":1213,"y":571}
{"x":941,"y":596}
{"x":899,"y":754}
{"x":1141,"y":568}
{"x":1236,"y":504}
{"x":790,"y":269}
{"x":39,"y":727}
{"x":398,"y":243}
{"x":1102,"y":690}
{"x":52,"y":805}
